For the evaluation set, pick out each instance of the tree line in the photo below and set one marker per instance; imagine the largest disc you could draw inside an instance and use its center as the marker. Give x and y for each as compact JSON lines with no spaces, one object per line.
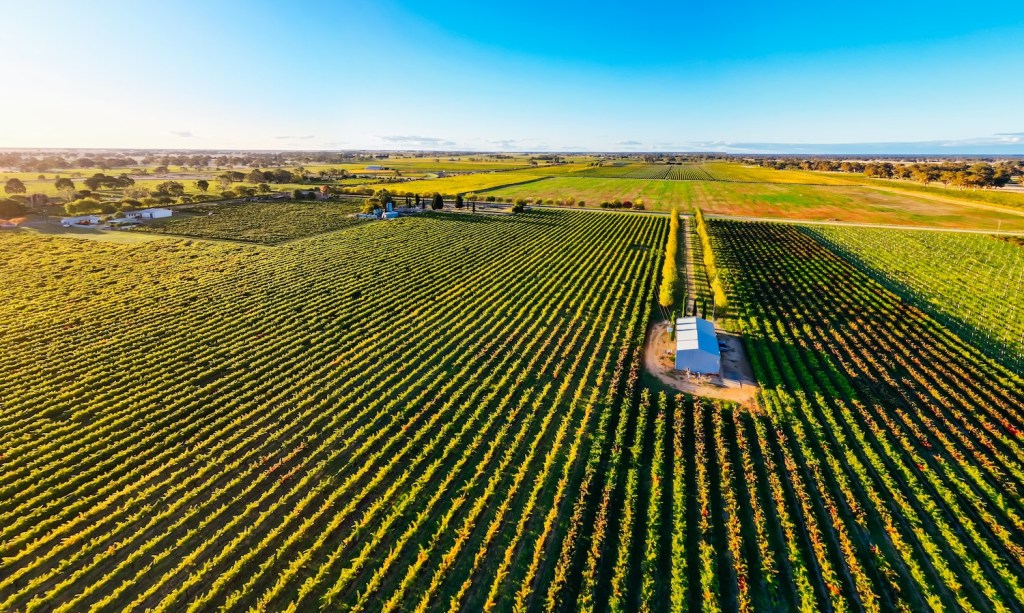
{"x":959,"y":174}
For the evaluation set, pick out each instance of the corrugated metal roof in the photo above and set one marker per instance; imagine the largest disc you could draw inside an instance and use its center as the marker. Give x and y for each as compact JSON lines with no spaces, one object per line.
{"x":696,"y":333}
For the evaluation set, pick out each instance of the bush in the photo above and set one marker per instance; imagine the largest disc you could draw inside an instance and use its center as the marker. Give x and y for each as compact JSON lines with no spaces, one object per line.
{"x":82,"y":206}
{"x":11,"y":208}
{"x":519,"y":206}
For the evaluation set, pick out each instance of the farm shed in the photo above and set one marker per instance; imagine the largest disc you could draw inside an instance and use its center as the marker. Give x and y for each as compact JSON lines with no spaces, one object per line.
{"x":697,"y":346}
{"x":148,"y":214}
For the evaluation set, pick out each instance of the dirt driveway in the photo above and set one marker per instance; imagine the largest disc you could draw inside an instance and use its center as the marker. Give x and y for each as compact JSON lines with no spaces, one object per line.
{"x":736,"y":384}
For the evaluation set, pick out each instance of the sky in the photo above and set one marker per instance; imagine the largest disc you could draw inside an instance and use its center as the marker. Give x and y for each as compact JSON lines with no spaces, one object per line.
{"x":759,"y":77}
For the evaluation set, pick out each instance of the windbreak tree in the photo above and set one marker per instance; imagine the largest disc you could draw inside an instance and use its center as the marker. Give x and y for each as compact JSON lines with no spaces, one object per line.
{"x":669,"y":273}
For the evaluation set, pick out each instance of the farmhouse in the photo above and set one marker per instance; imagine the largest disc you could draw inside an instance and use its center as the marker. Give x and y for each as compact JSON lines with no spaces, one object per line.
{"x":697,"y":346}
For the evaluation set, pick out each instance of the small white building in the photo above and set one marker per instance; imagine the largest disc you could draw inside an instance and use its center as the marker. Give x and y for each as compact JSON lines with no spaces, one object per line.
{"x":374,"y":167}
{"x":80,"y":221}
{"x":148,"y":214}
{"x":697,"y":346}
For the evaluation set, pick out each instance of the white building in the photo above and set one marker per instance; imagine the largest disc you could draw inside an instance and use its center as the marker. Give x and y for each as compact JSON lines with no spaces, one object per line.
{"x":148,"y":214}
{"x":697,"y":346}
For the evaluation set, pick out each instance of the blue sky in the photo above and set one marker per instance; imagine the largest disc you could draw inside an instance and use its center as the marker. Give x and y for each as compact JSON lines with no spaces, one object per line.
{"x":738,"y":76}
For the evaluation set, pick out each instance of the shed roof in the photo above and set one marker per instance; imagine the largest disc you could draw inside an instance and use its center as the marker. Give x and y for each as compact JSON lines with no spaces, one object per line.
{"x":696,"y":333}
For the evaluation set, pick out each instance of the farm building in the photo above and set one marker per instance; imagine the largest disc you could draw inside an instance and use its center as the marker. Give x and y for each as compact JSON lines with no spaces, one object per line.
{"x":374,"y":168}
{"x":697,"y":346}
{"x":148,"y":214}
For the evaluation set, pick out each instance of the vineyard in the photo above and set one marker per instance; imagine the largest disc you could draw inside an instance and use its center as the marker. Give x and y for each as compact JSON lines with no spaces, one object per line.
{"x":973,"y":284}
{"x":673,"y":172}
{"x":190,"y":425}
{"x":260,"y":222}
{"x":891,"y":457}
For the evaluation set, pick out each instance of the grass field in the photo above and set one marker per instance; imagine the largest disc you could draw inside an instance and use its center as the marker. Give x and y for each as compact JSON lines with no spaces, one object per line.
{"x":982,"y":196}
{"x":258,"y":222}
{"x":788,"y":201}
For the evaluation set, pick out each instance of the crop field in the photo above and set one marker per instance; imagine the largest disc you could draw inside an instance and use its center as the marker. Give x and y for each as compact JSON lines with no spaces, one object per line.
{"x":462,"y":184}
{"x":733,"y":171}
{"x":973,"y":284}
{"x":888,"y":460}
{"x":845,"y":203}
{"x":658,"y":194}
{"x":674,"y":172}
{"x":447,"y":411}
{"x":258,"y":222}
{"x":229,"y":426}
{"x":851,"y":203}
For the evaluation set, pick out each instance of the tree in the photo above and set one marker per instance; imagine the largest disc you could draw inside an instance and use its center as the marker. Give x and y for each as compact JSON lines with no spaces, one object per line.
{"x":419,"y":203}
{"x":66,"y":187}
{"x":437,"y":202}
{"x":384,"y":197}
{"x":519,"y":206}
{"x":263,"y":188}
{"x":283,"y":176}
{"x":458,"y":201}
{"x":256,"y":176}
{"x":203,"y":185}
{"x":171,"y":188}
{"x":14,"y":186}
{"x":83,"y":205}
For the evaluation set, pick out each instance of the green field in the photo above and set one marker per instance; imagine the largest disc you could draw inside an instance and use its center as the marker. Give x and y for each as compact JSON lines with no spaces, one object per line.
{"x":258,"y":222}
{"x":856,"y":204}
